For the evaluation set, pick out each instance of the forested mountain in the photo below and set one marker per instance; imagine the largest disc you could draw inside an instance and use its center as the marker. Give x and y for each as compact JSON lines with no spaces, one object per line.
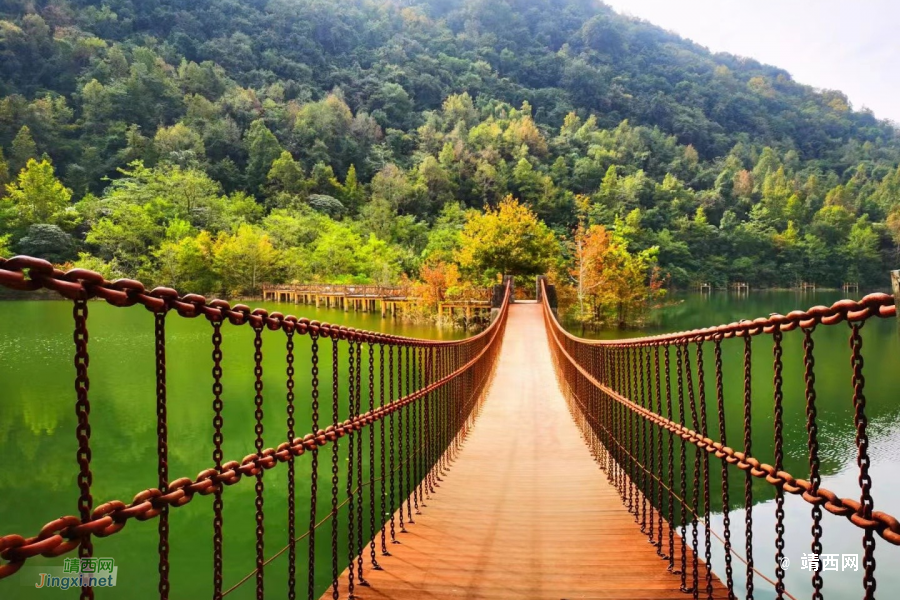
{"x":343,"y":139}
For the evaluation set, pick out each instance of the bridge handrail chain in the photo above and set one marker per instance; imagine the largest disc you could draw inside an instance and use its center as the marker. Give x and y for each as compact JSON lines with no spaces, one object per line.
{"x":68,"y":533}
{"x":885,"y":525}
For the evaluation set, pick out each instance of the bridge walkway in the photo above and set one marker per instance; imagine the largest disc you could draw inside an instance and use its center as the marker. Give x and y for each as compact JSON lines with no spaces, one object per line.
{"x":525,"y":511}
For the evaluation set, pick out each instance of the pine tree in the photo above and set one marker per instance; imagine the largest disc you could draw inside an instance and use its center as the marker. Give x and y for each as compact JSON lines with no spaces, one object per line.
{"x":23,"y":149}
{"x":264,"y":149}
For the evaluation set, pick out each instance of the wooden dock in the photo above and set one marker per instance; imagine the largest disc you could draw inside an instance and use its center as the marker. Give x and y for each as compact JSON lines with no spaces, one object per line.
{"x":391,"y":300}
{"x":524,"y":512}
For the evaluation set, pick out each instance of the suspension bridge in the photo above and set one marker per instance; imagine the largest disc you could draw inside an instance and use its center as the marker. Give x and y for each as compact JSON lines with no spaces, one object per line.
{"x":522,"y":462}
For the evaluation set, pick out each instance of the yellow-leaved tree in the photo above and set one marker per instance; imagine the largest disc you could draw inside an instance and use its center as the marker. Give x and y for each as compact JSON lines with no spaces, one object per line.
{"x":508,"y":240}
{"x":244,"y":259}
{"x":611,"y":283}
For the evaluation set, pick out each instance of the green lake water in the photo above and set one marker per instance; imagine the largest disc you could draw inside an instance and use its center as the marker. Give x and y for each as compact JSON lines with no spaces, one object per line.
{"x":38,"y":481}
{"x":834,"y":401}
{"x":38,"y":445}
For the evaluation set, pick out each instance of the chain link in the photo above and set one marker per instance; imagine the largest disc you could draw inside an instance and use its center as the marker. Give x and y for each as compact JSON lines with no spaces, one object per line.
{"x":83,"y":430}
{"x":314,"y":466}
{"x":695,"y":489}
{"x":351,"y":495}
{"x":381,"y":518}
{"x":864,"y":514}
{"x":391,"y":455}
{"x":726,"y":500}
{"x":335,"y":408}
{"x":779,"y":462}
{"x":748,"y":476}
{"x":162,"y":451}
{"x":812,"y":428}
{"x":372,"y":472}
{"x":292,"y":529}
{"x":259,"y":487}
{"x":217,"y":457}
{"x":679,"y":359}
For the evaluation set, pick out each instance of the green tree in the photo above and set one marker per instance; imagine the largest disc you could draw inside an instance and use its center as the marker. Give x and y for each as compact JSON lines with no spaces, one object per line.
{"x":126,"y":235}
{"x":23,"y":149}
{"x":186,"y":264}
{"x":391,"y":185}
{"x":286,"y":176}
{"x":48,"y":242}
{"x":352,"y":192}
{"x":38,"y":195}
{"x":5,"y":248}
{"x":334,"y":254}
{"x":263,"y":149}
{"x":4,"y":174}
{"x":179,"y":144}
{"x":170,"y":192}
{"x":436,"y":183}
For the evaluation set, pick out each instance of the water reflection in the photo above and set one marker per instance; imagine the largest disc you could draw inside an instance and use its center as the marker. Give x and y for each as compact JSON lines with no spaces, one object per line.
{"x":37,"y":440}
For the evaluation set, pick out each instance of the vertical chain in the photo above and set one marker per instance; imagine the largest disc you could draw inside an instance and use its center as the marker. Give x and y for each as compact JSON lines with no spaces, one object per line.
{"x":429,"y":428}
{"x":630,"y":385}
{"x":351,"y":495}
{"x":815,"y":479}
{"x":695,"y":490}
{"x":642,"y":441}
{"x":617,"y":421}
{"x":217,"y":457}
{"x":392,"y":458}
{"x":314,"y":468}
{"x":335,"y":406}
{"x":683,"y":460}
{"x":704,"y":431}
{"x":779,"y":461}
{"x":417,"y":431}
{"x":381,"y":518}
{"x":359,"y":472}
{"x":292,"y":530}
{"x":748,"y":477}
{"x":408,"y":491}
{"x":726,"y":502}
{"x":83,"y":429}
{"x":258,"y":401}
{"x":372,"y":470}
{"x":659,"y":454}
{"x":648,"y":451}
{"x":670,"y":470}
{"x":400,"y":433}
{"x":162,"y":450}
{"x":862,"y":458}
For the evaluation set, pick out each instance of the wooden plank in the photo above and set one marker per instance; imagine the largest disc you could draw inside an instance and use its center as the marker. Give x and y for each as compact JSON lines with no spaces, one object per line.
{"x":524,"y":512}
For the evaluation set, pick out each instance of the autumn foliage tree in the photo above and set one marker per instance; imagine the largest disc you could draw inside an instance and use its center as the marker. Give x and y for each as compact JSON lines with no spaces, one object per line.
{"x":611,"y":283}
{"x":436,"y":278}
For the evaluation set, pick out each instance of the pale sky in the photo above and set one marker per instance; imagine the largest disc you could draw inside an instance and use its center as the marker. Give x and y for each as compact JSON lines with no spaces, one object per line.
{"x":848,"y":45}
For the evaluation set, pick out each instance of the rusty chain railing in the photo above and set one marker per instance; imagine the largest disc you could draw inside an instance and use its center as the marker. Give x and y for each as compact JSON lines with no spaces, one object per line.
{"x":642,"y":405}
{"x":416,"y":399}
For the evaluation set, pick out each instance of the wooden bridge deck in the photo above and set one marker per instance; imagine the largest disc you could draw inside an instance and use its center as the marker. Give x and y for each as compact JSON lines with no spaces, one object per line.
{"x":524,"y":512}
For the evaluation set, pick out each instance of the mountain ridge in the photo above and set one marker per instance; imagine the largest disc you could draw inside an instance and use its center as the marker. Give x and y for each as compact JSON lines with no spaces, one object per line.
{"x":452,"y":100}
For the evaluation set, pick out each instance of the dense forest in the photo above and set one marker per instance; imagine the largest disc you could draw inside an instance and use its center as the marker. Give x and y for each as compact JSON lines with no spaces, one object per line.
{"x":214,"y":144}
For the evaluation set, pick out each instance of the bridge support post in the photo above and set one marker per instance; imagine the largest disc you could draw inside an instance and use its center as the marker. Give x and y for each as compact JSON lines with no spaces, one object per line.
{"x":497,"y":294}
{"x":551,"y":294}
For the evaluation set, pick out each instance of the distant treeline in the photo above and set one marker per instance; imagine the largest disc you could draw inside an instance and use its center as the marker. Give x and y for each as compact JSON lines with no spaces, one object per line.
{"x":212,"y":145}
